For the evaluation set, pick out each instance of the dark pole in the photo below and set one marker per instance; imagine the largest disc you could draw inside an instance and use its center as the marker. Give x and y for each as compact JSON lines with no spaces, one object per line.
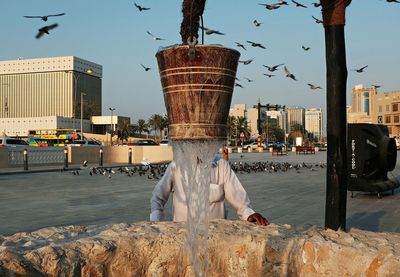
{"x":130,"y":156}
{"x":336,"y":75}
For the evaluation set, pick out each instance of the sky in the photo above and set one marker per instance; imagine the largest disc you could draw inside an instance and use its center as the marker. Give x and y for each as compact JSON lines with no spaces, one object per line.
{"x":113,"y":34}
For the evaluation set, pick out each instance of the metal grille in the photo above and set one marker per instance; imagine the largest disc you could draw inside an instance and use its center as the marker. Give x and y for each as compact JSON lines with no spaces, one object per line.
{"x":36,"y":156}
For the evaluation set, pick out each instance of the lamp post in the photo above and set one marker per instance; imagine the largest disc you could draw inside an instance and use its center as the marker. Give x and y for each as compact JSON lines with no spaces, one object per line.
{"x":112,"y":124}
{"x":82,"y":94}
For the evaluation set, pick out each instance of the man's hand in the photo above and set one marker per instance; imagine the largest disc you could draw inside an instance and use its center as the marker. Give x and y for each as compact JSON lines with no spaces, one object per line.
{"x":257,"y":219}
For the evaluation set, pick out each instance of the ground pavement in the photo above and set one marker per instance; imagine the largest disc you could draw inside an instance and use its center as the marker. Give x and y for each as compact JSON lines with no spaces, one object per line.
{"x":36,"y":200}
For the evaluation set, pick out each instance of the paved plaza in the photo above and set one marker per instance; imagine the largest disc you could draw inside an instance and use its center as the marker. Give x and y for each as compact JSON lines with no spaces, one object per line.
{"x":36,"y":200}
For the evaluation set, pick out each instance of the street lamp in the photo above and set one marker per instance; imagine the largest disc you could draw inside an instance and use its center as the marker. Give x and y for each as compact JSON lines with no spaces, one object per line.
{"x":112,"y":124}
{"x":82,"y":94}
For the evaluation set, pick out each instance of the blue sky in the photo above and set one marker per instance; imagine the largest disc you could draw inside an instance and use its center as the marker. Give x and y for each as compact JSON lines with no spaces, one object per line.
{"x":113,"y":34}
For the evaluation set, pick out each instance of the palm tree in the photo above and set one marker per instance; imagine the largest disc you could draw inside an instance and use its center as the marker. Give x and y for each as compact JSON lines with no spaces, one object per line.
{"x":231,"y":128}
{"x":142,"y":126}
{"x":156,"y":123}
{"x":243,"y":126}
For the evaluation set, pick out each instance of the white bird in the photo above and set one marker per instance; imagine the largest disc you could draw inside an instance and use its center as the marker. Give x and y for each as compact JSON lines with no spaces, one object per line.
{"x":153,"y":36}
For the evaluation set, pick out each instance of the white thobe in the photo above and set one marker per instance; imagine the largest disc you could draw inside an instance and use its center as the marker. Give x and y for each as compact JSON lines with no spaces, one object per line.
{"x":224,"y":185}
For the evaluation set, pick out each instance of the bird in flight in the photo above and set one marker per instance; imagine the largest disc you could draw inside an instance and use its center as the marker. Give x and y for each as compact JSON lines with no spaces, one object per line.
{"x":247,"y":61}
{"x":360,"y":70}
{"x":273,"y":68}
{"x":238,"y":85}
{"x":255,"y":44}
{"x":45,"y":30}
{"x":269,"y":75}
{"x":298,"y":4}
{"x":256,"y":23}
{"x":145,"y":67}
{"x":282,"y":2}
{"x":44,"y":17}
{"x":314,"y":87}
{"x":288,"y":74}
{"x":153,"y":36}
{"x":271,"y":7}
{"x":248,"y":80}
{"x":316,"y":4}
{"x":240,"y":45}
{"x":392,"y":1}
{"x":376,"y":86}
{"x":140,"y":8}
{"x":318,"y":21}
{"x":211,"y":31}
{"x":305,"y":48}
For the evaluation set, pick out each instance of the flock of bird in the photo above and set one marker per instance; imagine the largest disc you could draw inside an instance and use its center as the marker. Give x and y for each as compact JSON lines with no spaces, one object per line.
{"x":156,"y":171}
{"x":257,"y":23}
{"x":280,"y":3}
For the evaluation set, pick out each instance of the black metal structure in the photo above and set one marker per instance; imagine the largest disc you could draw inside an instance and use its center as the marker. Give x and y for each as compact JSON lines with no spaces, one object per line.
{"x":371,"y":154}
{"x":269,"y":107}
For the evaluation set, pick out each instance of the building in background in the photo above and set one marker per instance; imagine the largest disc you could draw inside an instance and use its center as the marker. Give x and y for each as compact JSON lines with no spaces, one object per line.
{"x":295,"y":118}
{"x":238,"y":110}
{"x":49,"y":90}
{"x":369,"y":106}
{"x":314,"y":122}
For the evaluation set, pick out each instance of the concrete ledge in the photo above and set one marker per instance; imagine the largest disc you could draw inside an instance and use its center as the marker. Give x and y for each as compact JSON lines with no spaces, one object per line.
{"x":236,"y":248}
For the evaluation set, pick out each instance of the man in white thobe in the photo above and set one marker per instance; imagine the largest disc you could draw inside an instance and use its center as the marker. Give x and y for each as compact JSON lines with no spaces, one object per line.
{"x":224,"y":185}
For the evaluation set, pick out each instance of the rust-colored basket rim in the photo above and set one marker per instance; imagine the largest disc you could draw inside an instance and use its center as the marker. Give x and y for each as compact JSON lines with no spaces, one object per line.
{"x":176,"y":46}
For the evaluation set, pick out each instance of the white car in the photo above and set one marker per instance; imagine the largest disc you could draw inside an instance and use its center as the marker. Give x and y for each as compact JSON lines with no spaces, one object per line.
{"x":254,"y":145}
{"x":85,"y":143}
{"x":12,"y":142}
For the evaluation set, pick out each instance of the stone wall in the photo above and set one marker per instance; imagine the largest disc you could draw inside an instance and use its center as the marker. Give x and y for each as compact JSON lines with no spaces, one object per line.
{"x":235,"y":249}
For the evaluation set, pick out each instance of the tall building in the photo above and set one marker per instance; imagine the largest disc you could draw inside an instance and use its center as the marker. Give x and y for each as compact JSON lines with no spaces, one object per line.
{"x":313,"y":122}
{"x":50,"y":87}
{"x":295,"y":117}
{"x":238,"y":110}
{"x":369,"y":106}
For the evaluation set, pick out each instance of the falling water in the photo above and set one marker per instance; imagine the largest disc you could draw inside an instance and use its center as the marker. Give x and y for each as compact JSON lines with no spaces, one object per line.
{"x":193,"y":160}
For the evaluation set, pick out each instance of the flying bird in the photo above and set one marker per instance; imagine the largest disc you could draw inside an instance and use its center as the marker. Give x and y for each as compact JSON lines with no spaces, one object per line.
{"x":153,"y":36}
{"x":273,"y":68}
{"x":240,"y":45}
{"x":255,"y":44}
{"x":314,"y":87}
{"x":392,"y":1}
{"x":298,"y":4}
{"x":256,"y":23}
{"x":288,"y":74}
{"x":316,"y":4}
{"x":45,"y":30}
{"x":211,"y":31}
{"x":247,"y":61}
{"x":305,"y":48}
{"x":145,"y":67}
{"x":269,"y":75}
{"x":318,"y":21}
{"x":44,"y":17}
{"x":248,"y":80}
{"x":376,"y":86}
{"x":238,"y":85}
{"x":271,"y":7}
{"x":140,"y":8}
{"x":360,"y":70}
{"x":282,"y":2}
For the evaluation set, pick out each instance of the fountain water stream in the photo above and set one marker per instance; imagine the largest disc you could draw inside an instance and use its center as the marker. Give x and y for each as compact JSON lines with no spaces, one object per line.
{"x":193,"y":160}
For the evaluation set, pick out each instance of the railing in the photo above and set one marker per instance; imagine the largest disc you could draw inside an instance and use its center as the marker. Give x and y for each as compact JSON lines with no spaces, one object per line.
{"x":36,"y":156}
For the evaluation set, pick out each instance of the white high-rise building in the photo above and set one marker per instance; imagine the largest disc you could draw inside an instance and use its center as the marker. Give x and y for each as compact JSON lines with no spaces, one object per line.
{"x":314,"y":122}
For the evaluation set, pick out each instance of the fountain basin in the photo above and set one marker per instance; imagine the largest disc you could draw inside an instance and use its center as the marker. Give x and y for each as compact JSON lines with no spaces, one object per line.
{"x":236,"y":248}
